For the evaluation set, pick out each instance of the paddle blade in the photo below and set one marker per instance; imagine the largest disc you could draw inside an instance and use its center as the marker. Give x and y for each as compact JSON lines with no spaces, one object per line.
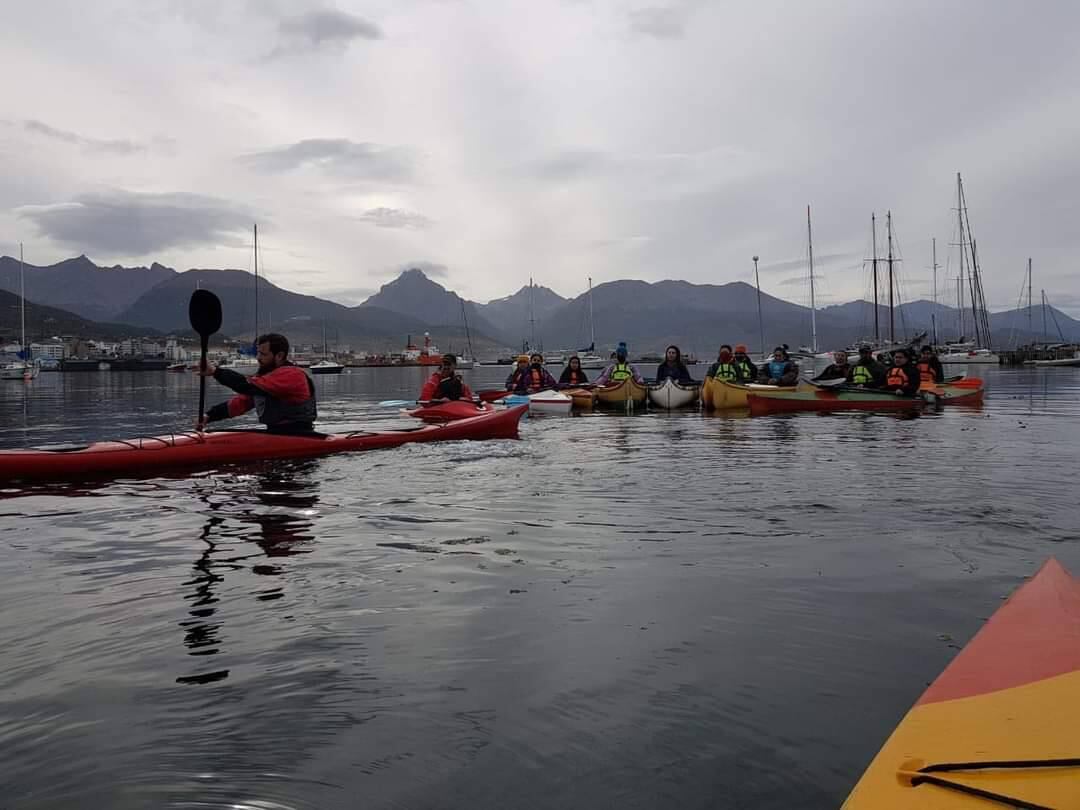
{"x":204,"y":312}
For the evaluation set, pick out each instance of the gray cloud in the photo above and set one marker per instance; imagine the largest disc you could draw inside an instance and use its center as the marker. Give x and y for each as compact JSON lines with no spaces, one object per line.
{"x":394,"y":218}
{"x":571,"y":164}
{"x":347,"y":296}
{"x":325,"y":27}
{"x":799,"y":280}
{"x":431,"y":269}
{"x":133,"y":224}
{"x":112,"y":146}
{"x":336,"y":156}
{"x":791,"y":264}
{"x":662,"y":22}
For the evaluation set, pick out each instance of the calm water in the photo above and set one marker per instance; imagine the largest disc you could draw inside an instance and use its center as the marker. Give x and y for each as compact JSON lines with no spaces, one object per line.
{"x":616,"y":611}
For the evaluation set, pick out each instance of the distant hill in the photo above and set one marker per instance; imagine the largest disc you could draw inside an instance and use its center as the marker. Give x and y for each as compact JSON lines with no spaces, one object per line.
{"x":511,"y":315}
{"x":80,"y":286}
{"x":413,"y":293}
{"x":46,"y":322}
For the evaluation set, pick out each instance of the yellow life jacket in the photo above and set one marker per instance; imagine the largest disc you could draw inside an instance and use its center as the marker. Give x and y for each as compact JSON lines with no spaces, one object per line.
{"x":726,"y":371}
{"x":620,"y":372}
{"x":744,"y":367}
{"x":861,"y":375}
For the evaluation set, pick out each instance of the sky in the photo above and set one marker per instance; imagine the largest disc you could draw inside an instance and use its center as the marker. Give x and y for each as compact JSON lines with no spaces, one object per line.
{"x":491,"y":142}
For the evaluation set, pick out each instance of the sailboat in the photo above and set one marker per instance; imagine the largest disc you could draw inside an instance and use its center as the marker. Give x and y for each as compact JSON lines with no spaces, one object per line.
{"x":977,"y":350}
{"x":24,"y":368}
{"x":326,"y":365}
{"x":589,"y":358}
{"x":466,"y":361}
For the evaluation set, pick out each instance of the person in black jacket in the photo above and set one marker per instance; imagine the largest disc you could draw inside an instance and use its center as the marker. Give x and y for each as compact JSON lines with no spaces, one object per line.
{"x":839,"y":369}
{"x":673,"y":367}
{"x":903,"y":377}
{"x":573,"y":375}
{"x":746,"y":366}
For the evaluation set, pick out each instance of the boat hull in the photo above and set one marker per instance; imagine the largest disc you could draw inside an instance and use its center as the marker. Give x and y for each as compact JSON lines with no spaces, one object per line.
{"x":148,"y":455}
{"x":670,"y":395}
{"x":720,"y":395}
{"x":584,"y":398}
{"x":550,"y":402}
{"x":622,"y":393}
{"x":769,"y":402}
{"x":449,"y":411}
{"x":1012,"y":695}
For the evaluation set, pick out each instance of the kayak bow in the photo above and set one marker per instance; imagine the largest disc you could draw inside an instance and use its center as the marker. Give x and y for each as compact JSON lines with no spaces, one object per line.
{"x":998,"y":726}
{"x":148,"y":455}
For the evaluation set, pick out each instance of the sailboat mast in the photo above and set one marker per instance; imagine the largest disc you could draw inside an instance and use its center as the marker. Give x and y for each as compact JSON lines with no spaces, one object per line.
{"x":255,"y":337}
{"x":532,"y":317}
{"x":813,"y":308}
{"x":934,"y":267}
{"x":1044,"y":313}
{"x":1031,"y":335}
{"x":760,"y":320}
{"x":890,"y":260}
{"x":22,"y":305}
{"x":873,"y":262}
{"x":468,"y":337}
{"x":592,"y":321}
{"x":960,"y":282}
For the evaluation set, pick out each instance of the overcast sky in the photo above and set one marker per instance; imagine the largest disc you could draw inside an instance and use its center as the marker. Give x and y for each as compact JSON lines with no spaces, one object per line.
{"x":494,"y":141}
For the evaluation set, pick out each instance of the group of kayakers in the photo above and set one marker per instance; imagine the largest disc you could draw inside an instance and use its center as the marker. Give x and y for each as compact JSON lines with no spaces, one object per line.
{"x":902,"y":372}
{"x":283,"y":394}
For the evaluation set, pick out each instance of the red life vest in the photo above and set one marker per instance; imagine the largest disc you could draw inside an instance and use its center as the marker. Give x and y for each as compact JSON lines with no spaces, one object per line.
{"x":574,"y":377}
{"x":898,"y":377}
{"x":536,"y":380}
{"x":927,"y":373}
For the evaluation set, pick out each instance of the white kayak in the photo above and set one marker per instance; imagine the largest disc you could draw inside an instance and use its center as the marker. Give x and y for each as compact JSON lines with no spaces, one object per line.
{"x":671,"y":395}
{"x":550,"y":402}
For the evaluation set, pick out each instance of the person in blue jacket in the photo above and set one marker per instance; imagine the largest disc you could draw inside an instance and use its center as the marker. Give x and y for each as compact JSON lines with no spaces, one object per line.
{"x":781,"y":370}
{"x":673,"y":368}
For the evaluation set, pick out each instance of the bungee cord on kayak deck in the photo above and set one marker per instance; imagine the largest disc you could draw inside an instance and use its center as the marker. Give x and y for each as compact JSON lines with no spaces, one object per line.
{"x":923,"y":777}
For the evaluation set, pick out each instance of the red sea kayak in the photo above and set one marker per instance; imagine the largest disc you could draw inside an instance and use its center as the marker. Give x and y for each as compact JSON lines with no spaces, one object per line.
{"x":449,"y":411}
{"x":137,"y":457}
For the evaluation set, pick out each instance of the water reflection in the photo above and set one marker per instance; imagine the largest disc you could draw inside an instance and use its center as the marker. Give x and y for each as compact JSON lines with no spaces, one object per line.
{"x":277,"y":533}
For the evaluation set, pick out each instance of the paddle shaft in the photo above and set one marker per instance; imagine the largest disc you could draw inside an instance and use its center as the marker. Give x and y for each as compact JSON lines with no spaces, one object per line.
{"x":204,"y":347}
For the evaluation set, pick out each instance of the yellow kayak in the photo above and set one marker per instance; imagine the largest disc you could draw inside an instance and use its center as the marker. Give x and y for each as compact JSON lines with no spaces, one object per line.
{"x":583,"y":397}
{"x":1000,"y":727}
{"x":621,"y":393}
{"x":721,"y":394}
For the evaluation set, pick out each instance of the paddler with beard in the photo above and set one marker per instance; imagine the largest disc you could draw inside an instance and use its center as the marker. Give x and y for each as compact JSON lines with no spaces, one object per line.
{"x":281,"y":392}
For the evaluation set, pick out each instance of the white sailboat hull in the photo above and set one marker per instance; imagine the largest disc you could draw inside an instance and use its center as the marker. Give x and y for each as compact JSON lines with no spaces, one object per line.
{"x":976,"y":356}
{"x":671,"y":395}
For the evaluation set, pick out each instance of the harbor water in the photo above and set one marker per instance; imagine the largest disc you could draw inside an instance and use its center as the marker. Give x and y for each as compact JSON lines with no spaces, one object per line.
{"x":634,"y":611}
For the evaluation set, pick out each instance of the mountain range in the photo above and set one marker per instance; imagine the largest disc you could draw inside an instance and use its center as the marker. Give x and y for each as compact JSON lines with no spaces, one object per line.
{"x":648,"y":316}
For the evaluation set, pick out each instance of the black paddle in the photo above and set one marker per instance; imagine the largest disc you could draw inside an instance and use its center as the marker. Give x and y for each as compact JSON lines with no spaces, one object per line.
{"x":204,"y":312}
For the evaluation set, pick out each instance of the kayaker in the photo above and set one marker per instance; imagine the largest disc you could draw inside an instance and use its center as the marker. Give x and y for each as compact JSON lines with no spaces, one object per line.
{"x":903,"y":377}
{"x":619,"y":370}
{"x":281,"y":393}
{"x":866,"y":371}
{"x":535,"y":377}
{"x":839,"y":369}
{"x":930,"y":370}
{"x":445,"y":384}
{"x":726,"y":368}
{"x":673,"y":367}
{"x":573,"y":375}
{"x":517,"y":382}
{"x":781,"y":370}
{"x":744,"y":363}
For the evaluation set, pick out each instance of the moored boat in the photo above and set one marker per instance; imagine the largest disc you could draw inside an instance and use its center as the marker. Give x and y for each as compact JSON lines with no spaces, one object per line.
{"x":997,"y":728}
{"x":767,"y":402}
{"x":190,"y":450}
{"x":550,"y":402}
{"x":671,"y":395}
{"x":326,"y":367}
{"x":627,"y":391}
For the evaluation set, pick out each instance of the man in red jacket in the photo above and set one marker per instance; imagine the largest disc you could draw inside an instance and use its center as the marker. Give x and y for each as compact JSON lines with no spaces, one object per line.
{"x":445,"y":384}
{"x":281,"y":393}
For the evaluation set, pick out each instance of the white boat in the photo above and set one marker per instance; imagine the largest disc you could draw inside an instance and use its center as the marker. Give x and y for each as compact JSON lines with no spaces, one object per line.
{"x":964,"y":355}
{"x":242,"y":364}
{"x":1062,"y":362}
{"x":593,"y":361}
{"x":24,"y":369}
{"x":670,"y":394}
{"x":326,"y":367}
{"x":465,"y":363}
{"x":551,"y":402}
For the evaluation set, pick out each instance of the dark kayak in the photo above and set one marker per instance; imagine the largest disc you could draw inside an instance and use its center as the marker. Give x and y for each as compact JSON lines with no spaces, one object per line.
{"x":139,"y":456}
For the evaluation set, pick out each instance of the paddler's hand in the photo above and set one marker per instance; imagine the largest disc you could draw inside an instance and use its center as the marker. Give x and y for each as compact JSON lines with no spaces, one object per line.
{"x":200,"y":426}
{"x":208,"y":370}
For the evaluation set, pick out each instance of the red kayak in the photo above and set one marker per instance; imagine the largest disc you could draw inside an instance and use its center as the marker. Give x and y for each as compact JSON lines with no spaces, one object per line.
{"x":449,"y":411}
{"x":137,"y":457}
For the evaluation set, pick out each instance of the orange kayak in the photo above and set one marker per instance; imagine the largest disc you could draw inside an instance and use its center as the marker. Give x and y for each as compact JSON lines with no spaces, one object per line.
{"x":1000,"y":727}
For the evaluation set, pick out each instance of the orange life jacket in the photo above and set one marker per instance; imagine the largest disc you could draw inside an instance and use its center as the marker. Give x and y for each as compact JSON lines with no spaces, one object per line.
{"x":898,"y":377}
{"x":927,"y":373}
{"x":537,"y":379}
{"x":575,"y":377}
